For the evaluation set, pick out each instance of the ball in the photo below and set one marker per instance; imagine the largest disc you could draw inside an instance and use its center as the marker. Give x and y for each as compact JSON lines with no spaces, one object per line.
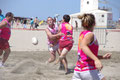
{"x":34,"y":41}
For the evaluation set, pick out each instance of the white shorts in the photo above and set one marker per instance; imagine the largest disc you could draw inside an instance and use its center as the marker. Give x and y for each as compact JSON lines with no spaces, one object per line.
{"x":87,"y":75}
{"x":54,"y":48}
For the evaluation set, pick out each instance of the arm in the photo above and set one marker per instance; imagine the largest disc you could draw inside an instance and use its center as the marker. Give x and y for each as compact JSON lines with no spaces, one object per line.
{"x":51,"y":36}
{"x":84,"y":46}
{"x":59,"y":28}
{"x":3,"y":24}
{"x":106,"y":56}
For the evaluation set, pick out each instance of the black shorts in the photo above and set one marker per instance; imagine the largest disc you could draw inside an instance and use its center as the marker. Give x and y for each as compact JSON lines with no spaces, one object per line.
{"x":36,"y":25}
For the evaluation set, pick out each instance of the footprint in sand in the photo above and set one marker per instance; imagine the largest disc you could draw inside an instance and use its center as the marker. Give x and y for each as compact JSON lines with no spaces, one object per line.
{"x":24,"y":67}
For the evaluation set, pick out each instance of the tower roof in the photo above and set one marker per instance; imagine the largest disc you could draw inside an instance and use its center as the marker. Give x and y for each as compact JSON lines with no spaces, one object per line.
{"x":92,"y":11}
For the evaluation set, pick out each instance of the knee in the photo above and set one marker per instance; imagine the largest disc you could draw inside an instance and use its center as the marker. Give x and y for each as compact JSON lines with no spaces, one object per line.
{"x":103,"y":78}
{"x":1,"y":52}
{"x":7,"y":51}
{"x":61,"y":57}
{"x":53,"y":58}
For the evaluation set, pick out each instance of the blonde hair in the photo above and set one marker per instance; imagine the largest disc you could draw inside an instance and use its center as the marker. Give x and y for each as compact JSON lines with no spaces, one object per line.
{"x":88,"y":20}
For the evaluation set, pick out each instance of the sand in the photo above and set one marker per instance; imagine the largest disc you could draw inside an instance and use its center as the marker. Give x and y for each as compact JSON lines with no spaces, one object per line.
{"x":27,"y":61}
{"x":27,"y":65}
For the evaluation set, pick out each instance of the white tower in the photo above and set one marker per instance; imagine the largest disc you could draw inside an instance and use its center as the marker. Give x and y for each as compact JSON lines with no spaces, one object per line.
{"x":88,"y":5}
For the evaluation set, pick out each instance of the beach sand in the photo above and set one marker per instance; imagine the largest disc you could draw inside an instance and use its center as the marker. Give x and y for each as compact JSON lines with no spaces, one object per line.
{"x":27,"y":61}
{"x":28,"y":65}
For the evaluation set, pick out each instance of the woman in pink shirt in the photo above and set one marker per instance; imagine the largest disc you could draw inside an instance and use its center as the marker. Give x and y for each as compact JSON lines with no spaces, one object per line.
{"x":88,"y":65}
{"x":5,"y":34}
{"x":66,"y":41}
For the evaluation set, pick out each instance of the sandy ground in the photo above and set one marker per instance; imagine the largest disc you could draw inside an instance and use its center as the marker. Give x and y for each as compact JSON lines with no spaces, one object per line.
{"x":31,"y":66}
{"x":27,"y":62}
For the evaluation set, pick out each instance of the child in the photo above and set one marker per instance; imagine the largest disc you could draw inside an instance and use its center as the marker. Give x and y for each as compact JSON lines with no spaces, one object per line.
{"x":66,"y":41}
{"x":5,"y":34}
{"x":88,"y":63}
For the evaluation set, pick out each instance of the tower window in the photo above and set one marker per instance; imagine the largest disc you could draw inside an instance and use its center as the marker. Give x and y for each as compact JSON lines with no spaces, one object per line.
{"x":102,"y":15}
{"x":87,"y":2}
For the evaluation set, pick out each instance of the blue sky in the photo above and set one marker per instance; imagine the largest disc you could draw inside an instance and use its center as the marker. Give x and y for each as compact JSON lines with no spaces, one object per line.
{"x":44,"y":8}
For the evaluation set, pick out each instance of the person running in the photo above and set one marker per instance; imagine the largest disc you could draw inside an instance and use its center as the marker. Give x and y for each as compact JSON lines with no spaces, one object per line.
{"x":53,"y":40}
{"x":66,"y":41}
{"x":88,"y":65}
{"x":1,"y":16}
{"x":5,"y":34}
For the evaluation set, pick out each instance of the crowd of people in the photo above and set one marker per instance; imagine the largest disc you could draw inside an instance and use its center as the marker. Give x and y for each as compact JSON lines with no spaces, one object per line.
{"x":60,"y":40}
{"x":25,"y":23}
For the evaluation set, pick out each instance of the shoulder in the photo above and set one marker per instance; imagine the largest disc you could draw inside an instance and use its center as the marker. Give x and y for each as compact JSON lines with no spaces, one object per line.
{"x":3,"y":24}
{"x":47,"y":30}
{"x":89,"y":36}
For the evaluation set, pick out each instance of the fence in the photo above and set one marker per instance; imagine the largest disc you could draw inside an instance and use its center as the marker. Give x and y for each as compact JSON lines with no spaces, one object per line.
{"x":99,"y":32}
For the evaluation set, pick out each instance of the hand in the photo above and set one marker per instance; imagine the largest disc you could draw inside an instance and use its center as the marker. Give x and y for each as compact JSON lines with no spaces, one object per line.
{"x":107,"y":56}
{"x":98,"y":64}
{"x":51,"y":45}
{"x":60,"y":34}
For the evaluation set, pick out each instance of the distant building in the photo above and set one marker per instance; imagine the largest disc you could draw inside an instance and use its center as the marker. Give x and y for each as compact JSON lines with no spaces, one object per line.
{"x":21,"y":18}
{"x":103,"y":16}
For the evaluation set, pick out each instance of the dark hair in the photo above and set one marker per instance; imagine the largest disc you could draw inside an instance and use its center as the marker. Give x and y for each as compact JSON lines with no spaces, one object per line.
{"x":88,"y":20}
{"x":50,"y":17}
{"x":9,"y":14}
{"x":66,"y":18}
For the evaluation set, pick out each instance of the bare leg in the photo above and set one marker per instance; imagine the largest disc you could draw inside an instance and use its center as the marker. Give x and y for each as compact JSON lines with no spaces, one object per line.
{"x":52,"y":57}
{"x":65,"y":64}
{"x":6,"y":54}
{"x":61,"y":67}
{"x":1,"y":52}
{"x":103,"y":78}
{"x":62,"y":58}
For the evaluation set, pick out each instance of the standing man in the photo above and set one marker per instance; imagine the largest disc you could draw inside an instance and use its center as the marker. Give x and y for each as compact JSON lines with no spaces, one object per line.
{"x":36,"y":22}
{"x":1,"y":16}
{"x":31,"y":24}
{"x":5,"y":34}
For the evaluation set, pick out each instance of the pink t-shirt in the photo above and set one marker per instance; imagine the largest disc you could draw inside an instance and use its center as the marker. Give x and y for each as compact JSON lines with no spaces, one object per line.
{"x":67,"y":29}
{"x":5,"y":32}
{"x":84,"y":63}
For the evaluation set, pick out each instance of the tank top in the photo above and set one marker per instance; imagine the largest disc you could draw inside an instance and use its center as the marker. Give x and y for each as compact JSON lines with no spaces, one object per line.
{"x":5,"y":32}
{"x":84,"y":63}
{"x":67,"y":29}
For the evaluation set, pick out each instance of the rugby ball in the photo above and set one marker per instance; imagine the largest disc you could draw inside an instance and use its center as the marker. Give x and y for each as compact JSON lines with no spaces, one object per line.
{"x":34,"y":41}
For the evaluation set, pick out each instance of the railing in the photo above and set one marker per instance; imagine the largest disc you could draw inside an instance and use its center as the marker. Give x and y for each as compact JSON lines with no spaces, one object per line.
{"x":100,"y":34}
